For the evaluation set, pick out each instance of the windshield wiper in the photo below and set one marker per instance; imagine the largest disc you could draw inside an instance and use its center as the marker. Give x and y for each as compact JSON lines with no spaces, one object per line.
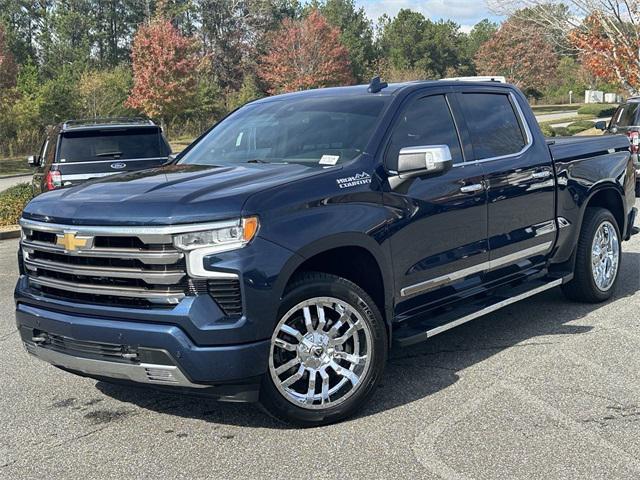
{"x":109,"y":154}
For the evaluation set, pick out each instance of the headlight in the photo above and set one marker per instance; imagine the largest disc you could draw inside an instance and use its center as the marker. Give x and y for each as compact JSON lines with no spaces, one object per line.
{"x":229,"y":236}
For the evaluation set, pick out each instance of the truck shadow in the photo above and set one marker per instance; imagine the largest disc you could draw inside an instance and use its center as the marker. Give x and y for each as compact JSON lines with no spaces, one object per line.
{"x":419,"y":371}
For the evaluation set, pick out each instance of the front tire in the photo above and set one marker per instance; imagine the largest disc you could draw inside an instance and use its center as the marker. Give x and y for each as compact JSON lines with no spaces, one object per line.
{"x":598,"y":258}
{"x":327,"y":354}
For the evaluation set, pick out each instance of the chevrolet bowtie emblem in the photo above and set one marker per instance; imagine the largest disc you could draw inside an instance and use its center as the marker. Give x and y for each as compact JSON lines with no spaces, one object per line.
{"x":71,"y":242}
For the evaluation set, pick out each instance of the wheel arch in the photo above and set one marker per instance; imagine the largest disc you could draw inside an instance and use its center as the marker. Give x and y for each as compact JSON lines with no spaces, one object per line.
{"x":610,"y":197}
{"x":356,"y":257}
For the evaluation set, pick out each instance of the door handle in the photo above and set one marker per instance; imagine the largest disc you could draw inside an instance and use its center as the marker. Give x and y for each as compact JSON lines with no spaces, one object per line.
{"x":542,"y":174}
{"x":476,"y":187}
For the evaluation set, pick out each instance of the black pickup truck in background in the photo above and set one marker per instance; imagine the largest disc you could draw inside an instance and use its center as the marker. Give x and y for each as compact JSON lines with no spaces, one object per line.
{"x":286,"y":250}
{"x":79,"y":150}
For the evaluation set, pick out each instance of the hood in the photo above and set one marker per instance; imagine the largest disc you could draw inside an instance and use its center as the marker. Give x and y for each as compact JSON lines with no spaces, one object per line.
{"x":164,"y":196}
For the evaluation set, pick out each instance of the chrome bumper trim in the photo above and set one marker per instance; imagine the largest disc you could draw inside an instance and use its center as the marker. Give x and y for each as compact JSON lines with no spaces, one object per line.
{"x":146,"y":373}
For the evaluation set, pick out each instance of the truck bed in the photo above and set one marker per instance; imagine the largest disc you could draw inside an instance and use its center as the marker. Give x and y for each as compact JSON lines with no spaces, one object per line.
{"x":570,"y":148}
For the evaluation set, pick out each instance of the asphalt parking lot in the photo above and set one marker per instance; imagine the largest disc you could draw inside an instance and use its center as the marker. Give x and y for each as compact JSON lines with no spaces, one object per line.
{"x":542,"y":389}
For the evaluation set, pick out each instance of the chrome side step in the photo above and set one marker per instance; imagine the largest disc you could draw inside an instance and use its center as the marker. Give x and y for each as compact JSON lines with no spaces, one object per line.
{"x":415,"y":335}
{"x":493,"y":308}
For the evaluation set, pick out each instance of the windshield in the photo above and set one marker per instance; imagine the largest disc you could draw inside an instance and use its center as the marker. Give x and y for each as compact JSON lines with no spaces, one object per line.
{"x":112,"y":144}
{"x":313,"y":131}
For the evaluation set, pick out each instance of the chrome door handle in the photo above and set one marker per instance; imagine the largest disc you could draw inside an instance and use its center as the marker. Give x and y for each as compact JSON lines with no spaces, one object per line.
{"x":476,"y":187}
{"x":542,"y":174}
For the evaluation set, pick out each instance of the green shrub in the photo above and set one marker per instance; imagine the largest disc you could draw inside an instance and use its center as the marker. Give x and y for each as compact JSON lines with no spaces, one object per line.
{"x":579,"y":126}
{"x":547,"y":130}
{"x":13,"y":201}
{"x":562,"y":132}
{"x":600,"y":110}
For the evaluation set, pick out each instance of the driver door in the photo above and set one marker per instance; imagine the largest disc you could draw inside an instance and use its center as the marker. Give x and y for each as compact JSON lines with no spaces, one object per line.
{"x":439,"y":243}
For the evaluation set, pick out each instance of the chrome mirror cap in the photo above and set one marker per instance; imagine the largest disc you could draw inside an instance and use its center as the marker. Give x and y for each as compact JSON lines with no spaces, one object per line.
{"x":420,"y":161}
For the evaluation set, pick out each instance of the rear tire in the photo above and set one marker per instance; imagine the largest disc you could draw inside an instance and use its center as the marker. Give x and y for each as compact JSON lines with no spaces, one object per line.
{"x":598,"y":258}
{"x":328,"y":352}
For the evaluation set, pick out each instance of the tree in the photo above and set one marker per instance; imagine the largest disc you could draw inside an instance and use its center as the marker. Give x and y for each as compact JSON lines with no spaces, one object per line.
{"x":413,"y":43}
{"x":356,"y":33}
{"x":303,"y":54}
{"x":8,"y":67}
{"x":103,"y":92}
{"x":604,"y":34}
{"x":232,"y":31}
{"x":521,"y":52}
{"x":603,"y":56}
{"x":480,"y":34}
{"x":164,"y":67}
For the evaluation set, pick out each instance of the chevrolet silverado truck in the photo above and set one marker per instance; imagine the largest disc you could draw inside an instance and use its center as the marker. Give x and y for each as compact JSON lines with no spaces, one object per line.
{"x":282,"y":255}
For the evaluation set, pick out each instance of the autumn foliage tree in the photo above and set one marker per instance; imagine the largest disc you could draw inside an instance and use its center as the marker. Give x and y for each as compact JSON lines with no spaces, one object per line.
{"x":604,"y":56}
{"x":305,"y":53}
{"x":522,"y":53}
{"x":164,"y":70}
{"x":603,"y":34}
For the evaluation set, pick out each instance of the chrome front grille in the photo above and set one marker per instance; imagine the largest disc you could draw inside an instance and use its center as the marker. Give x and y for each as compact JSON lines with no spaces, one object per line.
{"x":111,"y":267}
{"x":121,"y":266}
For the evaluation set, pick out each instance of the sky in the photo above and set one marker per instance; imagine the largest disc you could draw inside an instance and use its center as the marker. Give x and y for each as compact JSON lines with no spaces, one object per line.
{"x":464,"y":12}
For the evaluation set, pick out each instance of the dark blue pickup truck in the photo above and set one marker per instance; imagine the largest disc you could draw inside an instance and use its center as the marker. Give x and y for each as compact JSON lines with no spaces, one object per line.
{"x":288,"y":248}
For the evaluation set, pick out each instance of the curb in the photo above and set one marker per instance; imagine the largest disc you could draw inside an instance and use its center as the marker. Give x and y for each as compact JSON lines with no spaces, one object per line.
{"x":16,"y":175}
{"x":7,"y":234}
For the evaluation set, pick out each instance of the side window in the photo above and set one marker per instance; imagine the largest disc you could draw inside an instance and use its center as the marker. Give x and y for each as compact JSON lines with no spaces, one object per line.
{"x":493,"y":124}
{"x":626,"y":115}
{"x":426,"y":121}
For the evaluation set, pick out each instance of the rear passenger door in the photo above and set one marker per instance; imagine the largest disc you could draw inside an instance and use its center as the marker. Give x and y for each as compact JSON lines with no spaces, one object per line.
{"x":439,"y":243}
{"x":519,"y":177}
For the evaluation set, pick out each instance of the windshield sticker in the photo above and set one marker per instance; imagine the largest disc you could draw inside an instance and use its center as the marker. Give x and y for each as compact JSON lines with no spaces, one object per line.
{"x":358,"y":179}
{"x":329,"y":159}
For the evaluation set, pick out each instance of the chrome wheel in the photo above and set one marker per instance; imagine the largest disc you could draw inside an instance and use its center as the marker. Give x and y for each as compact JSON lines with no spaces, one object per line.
{"x":320,"y":353}
{"x":605,"y":256}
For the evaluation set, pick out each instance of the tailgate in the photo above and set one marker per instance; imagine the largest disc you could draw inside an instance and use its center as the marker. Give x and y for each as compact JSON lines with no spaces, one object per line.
{"x":78,"y":172}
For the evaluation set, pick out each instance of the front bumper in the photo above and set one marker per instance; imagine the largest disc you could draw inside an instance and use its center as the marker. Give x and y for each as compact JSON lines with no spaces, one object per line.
{"x":149,"y":354}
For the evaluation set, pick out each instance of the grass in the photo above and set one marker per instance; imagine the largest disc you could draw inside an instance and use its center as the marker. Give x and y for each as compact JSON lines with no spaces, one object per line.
{"x":14,"y":166}
{"x":554,"y":108}
{"x":600,"y":110}
{"x":180,"y":143}
{"x":567,"y":119}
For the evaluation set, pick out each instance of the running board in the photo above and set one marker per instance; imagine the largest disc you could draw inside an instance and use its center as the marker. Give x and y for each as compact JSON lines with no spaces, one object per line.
{"x":497,"y":304}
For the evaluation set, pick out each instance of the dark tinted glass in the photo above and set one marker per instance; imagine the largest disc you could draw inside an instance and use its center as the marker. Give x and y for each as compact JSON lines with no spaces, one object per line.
{"x":425,"y":122}
{"x":112,"y":144}
{"x":626,"y":115}
{"x":493,"y":124}
{"x":311,"y":131}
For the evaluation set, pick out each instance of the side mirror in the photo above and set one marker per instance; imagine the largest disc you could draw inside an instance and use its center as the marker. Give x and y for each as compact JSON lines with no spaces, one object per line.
{"x":32,"y":160}
{"x":420,"y":161}
{"x":601,"y":125}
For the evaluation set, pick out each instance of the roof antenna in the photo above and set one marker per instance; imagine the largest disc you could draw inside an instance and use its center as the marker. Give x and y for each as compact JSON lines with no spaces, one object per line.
{"x":376,"y":85}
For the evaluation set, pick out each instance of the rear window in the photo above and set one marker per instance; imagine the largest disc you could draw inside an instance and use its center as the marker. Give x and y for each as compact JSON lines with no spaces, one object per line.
{"x":112,"y":144}
{"x":626,"y":115}
{"x":494,"y":125}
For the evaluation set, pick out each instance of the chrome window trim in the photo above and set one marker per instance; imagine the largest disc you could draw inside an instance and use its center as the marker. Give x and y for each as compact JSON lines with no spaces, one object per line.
{"x":481,"y":267}
{"x":80,"y":162}
{"x":527,"y":131}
